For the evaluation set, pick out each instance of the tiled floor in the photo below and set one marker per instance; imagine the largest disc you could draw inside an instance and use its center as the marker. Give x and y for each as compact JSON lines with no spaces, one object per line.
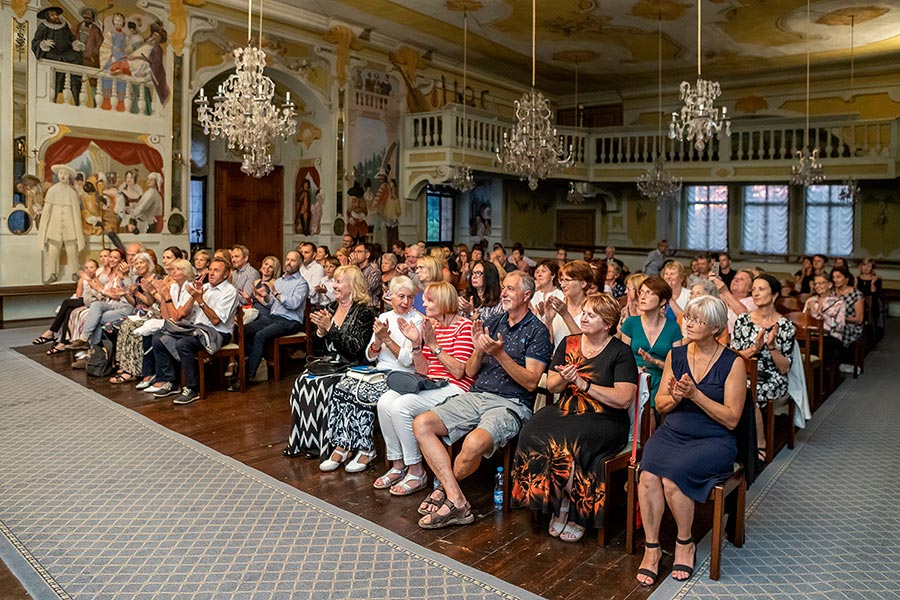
{"x":825,"y":524}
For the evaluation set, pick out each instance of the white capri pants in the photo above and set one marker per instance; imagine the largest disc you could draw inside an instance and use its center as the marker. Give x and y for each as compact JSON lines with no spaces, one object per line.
{"x":396,"y":412}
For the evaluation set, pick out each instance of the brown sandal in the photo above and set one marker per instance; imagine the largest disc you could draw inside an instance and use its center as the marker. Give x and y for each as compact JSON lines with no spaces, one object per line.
{"x":122,"y":378}
{"x":458,"y":515}
{"x":431,"y":504}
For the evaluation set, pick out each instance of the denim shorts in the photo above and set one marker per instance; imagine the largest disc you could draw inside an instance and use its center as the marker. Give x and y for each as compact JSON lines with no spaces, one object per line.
{"x":500,"y":416}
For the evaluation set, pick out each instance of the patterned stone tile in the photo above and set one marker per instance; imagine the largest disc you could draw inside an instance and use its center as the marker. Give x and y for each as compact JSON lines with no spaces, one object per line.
{"x":827,"y":527}
{"x":114,"y":506}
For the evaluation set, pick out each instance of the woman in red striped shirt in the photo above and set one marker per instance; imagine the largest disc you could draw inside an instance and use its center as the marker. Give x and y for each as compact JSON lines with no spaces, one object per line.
{"x":440,"y":353}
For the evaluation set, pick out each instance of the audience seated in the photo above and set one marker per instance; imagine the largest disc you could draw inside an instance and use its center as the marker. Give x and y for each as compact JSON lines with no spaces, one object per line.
{"x":694,"y":450}
{"x":438,"y":255}
{"x":344,"y":325}
{"x":511,"y":353}
{"x":826,"y":305}
{"x":388,"y":272}
{"x":770,"y":337}
{"x":324,"y":292}
{"x":481,"y":300}
{"x":559,"y":459}
{"x":242,"y":272}
{"x":175,"y":304}
{"x":440,"y":354}
{"x":285,"y":303}
{"x":129,"y":347}
{"x":209,"y":329}
{"x":201,"y":265}
{"x":651,"y":336}
{"x":631,"y":308}
{"x":818,"y":266}
{"x":563,"y":317}
{"x":463,"y":267}
{"x":111,"y":306}
{"x":310,"y":269}
{"x":855,"y":315}
{"x":870,"y":284}
{"x":428,"y":270}
{"x":614,"y":284}
{"x":656,"y":259}
{"x":351,"y":416}
{"x":673,"y":273}
{"x":83,"y":296}
{"x":361,"y":257}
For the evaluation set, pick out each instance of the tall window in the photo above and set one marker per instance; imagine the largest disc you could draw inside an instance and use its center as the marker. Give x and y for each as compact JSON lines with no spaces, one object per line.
{"x":438,"y":214}
{"x":198,"y":216}
{"x":764,"y":223}
{"x":829,"y":221}
{"x":707,"y":217}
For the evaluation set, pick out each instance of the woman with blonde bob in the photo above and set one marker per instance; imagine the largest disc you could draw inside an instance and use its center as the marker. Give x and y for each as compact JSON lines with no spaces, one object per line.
{"x":428,"y":270}
{"x":702,"y":396}
{"x":674,"y":273}
{"x":440,"y":352}
{"x":559,"y":461}
{"x":345,"y":325}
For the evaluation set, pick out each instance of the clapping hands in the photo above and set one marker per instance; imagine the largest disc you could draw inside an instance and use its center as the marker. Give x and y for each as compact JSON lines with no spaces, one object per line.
{"x":409,"y":331}
{"x":382,"y":331}
{"x":482,"y":340}
{"x":681,"y":388}
{"x":322,"y":320}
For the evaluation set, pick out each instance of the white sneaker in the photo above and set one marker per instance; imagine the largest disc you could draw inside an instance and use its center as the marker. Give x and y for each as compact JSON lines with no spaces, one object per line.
{"x":354,"y":466}
{"x":845,"y":368}
{"x":152,"y":389}
{"x":332,"y":465}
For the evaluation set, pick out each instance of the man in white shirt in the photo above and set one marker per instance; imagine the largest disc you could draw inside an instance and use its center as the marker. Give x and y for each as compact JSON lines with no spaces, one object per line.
{"x":310,"y":269}
{"x":657,"y":258}
{"x":213,"y":323}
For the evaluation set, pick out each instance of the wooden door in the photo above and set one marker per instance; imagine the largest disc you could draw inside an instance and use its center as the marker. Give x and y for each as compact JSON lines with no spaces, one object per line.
{"x":249,"y":211}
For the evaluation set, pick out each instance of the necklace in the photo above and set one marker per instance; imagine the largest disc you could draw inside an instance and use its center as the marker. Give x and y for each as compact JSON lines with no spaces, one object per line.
{"x":708,"y":362}
{"x":591,"y":353}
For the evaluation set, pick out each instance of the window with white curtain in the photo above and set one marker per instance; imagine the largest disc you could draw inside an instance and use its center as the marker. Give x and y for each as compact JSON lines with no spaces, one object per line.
{"x":707,"y":217}
{"x":764,"y":219}
{"x":829,"y":221}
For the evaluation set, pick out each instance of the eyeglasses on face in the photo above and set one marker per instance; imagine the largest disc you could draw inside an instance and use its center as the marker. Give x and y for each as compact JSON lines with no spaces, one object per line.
{"x":695,"y":321}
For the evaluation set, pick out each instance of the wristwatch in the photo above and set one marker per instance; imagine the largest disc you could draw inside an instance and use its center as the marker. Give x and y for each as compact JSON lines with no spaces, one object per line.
{"x":437,"y":351}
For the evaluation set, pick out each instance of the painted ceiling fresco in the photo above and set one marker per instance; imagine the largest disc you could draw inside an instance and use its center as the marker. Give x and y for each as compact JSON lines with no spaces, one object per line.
{"x":614,"y":42}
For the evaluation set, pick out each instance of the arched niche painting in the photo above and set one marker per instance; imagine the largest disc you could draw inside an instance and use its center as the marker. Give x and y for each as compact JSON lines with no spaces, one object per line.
{"x":120,"y":184}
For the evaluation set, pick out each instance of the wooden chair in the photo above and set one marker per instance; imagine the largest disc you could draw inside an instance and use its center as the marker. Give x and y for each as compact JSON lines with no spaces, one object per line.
{"x":810,"y":337}
{"x":301,"y":338}
{"x":736,"y":484}
{"x":787,"y":304}
{"x":234,"y":350}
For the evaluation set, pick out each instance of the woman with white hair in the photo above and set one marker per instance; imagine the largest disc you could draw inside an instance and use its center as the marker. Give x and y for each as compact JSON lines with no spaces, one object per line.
{"x":129,"y":347}
{"x":702,"y":396}
{"x":353,"y":400}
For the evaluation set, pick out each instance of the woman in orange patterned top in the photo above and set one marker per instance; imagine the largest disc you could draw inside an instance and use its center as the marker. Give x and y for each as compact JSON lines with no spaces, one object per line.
{"x":559,"y":462}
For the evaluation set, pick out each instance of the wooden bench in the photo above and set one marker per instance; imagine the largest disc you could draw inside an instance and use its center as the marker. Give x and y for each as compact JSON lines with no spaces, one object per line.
{"x":19,"y":291}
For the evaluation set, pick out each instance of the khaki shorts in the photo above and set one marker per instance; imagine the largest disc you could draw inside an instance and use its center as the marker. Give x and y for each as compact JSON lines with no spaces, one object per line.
{"x":500,"y":416}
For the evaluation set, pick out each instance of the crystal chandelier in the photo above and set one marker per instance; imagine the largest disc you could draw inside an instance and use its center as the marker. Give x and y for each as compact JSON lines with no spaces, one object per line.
{"x":243,"y":110}
{"x":699,"y":119}
{"x":807,"y":170}
{"x":533,"y":151}
{"x":656,"y":183}
{"x":463,"y":179}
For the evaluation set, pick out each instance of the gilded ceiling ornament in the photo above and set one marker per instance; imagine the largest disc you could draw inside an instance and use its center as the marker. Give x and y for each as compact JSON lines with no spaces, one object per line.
{"x":178,"y":18}
{"x":751,"y":104}
{"x":667,"y":10}
{"x":463,"y":5}
{"x":852,"y":14}
{"x":345,"y":40}
{"x":307,"y":134}
{"x":575,"y":25}
{"x":407,"y":61}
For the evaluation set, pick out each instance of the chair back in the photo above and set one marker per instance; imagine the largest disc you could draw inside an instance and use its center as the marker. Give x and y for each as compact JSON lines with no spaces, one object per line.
{"x":810,"y":335}
{"x":637,"y":414}
{"x":786,"y":304}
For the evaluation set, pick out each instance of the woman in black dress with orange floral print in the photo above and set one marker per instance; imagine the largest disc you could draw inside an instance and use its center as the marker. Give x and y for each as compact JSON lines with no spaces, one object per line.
{"x":559,"y":461}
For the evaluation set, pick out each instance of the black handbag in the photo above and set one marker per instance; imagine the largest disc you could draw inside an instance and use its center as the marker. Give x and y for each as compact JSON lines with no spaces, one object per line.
{"x":412,"y":383}
{"x":326,"y":365}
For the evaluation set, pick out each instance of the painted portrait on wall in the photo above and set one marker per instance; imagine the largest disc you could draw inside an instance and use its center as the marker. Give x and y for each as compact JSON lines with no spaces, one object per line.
{"x":119,"y":184}
{"x":306,"y":190}
{"x":374,"y":158}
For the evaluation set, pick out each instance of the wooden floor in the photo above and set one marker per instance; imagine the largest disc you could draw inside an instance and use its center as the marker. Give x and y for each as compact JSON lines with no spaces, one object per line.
{"x":253,"y":428}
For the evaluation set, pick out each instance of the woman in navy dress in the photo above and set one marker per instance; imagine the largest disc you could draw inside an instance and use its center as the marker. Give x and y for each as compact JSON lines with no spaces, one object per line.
{"x":702,"y":396}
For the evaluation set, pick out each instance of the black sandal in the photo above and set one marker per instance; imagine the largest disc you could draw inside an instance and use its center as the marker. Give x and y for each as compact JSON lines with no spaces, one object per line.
{"x":42,"y":340}
{"x":647,"y":572}
{"x":56,"y":350}
{"x":684,"y":568}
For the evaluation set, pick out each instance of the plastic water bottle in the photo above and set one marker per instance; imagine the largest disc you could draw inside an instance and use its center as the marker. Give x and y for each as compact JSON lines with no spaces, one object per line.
{"x":437,"y":483}
{"x":498,"y":490}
